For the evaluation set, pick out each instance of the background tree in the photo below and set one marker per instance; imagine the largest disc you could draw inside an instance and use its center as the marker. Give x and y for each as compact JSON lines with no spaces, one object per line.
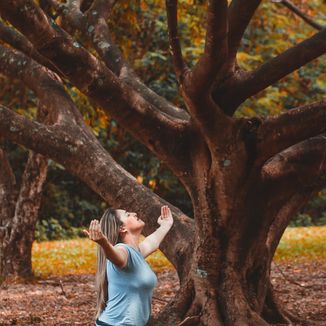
{"x":22,"y":176}
{"x":246,"y":177}
{"x":19,"y":213}
{"x":19,"y":201}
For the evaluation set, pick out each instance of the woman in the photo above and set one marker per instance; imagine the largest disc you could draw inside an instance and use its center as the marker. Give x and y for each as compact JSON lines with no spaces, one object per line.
{"x":124,"y":280}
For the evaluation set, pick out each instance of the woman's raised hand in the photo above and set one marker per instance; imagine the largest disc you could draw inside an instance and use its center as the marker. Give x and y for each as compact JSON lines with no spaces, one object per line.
{"x":166,"y":218}
{"x":95,"y":233}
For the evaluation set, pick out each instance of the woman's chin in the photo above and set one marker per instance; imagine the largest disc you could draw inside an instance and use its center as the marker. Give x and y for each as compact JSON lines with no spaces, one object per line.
{"x":141,"y":225}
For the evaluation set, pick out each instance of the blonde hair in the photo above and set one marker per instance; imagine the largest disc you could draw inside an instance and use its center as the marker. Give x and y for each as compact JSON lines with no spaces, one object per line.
{"x":110,"y":224}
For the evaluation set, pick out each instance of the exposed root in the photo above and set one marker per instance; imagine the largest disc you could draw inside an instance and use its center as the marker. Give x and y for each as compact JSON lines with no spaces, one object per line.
{"x":233,"y":302}
{"x":190,"y":321}
{"x":274,"y":313}
{"x":175,"y":310}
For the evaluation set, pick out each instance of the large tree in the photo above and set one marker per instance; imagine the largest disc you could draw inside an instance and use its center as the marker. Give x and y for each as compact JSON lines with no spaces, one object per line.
{"x":246,"y":177}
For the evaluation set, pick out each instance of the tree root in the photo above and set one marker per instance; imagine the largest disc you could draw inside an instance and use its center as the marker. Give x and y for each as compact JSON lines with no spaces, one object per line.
{"x":273,"y":312}
{"x":190,"y":321}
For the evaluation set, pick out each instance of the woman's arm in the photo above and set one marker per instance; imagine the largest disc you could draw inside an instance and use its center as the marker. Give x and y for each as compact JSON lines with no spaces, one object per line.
{"x":153,"y":241}
{"x":118,"y":256}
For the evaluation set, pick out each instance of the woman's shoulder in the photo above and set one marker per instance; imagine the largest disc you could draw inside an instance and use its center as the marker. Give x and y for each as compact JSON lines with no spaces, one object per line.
{"x":130,"y":253}
{"x":125,"y":245}
{"x":133,"y":251}
{"x":121,"y":244}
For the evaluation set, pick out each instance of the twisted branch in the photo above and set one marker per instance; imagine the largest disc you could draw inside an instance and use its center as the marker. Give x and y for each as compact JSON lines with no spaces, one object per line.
{"x":179,"y":65}
{"x":299,"y":13}
{"x":277,"y":133}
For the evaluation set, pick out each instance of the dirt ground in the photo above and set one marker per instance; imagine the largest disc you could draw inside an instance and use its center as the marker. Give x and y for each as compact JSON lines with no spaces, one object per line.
{"x":70,"y":300}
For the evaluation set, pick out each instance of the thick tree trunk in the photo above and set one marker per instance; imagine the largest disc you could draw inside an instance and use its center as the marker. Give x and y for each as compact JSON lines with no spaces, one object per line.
{"x":217,"y":291}
{"x":17,"y":254}
{"x":228,"y":282}
{"x":19,"y":219}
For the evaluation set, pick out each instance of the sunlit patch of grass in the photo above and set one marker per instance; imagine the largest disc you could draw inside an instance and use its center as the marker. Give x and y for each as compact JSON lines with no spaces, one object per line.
{"x":78,"y":256}
{"x":158,"y":261}
{"x":64,"y":257}
{"x":302,"y":244}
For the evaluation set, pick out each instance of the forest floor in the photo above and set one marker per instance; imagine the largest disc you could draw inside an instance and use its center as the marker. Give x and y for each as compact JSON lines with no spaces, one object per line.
{"x":69,"y":300}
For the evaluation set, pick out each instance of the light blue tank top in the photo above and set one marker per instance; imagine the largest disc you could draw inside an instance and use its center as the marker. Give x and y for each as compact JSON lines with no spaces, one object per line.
{"x":130,"y":291}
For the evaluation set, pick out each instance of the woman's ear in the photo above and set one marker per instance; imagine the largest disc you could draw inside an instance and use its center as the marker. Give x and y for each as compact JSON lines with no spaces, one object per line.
{"x":122,"y":229}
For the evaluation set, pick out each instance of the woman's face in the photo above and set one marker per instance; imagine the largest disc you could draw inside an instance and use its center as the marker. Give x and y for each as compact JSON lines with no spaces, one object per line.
{"x":130,"y":220}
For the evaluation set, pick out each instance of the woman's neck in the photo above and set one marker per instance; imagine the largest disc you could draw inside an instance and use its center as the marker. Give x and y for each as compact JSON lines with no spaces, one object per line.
{"x":132,"y":240}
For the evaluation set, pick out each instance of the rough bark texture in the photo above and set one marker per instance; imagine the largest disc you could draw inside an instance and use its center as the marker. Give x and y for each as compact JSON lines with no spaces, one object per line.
{"x":19,"y":211}
{"x":246,"y":177}
{"x":18,"y":225}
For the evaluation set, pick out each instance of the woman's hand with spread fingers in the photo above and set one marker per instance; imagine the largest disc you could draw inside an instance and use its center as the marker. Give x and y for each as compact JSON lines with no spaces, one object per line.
{"x":166,"y":219}
{"x":95,"y":233}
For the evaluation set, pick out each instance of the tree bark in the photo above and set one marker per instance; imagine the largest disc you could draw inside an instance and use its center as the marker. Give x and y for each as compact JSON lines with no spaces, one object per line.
{"x":18,"y":225}
{"x":238,"y":225}
{"x":229,"y":279}
{"x":19,"y":211}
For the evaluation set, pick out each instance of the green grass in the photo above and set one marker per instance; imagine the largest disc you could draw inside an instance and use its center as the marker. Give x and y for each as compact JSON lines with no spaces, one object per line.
{"x":78,"y":256}
{"x":63,"y":257}
{"x":302,"y":244}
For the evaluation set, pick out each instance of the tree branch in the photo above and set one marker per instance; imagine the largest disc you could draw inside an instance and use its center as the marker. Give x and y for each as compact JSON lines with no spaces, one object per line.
{"x":85,"y":5}
{"x":31,"y":134}
{"x":70,"y":147}
{"x":102,"y":7}
{"x":73,"y":6}
{"x":273,"y":70}
{"x":240,"y":14}
{"x":299,"y":13}
{"x":179,"y":65}
{"x":91,"y":76}
{"x":100,"y":172}
{"x":95,"y":27}
{"x":304,"y":164}
{"x":216,"y":47}
{"x":282,"y":219}
{"x":287,"y":181}
{"x":299,"y":169}
{"x":196,"y":87}
{"x":97,"y":30}
{"x":46,"y":85}
{"x":277,"y":133}
{"x":18,"y":41}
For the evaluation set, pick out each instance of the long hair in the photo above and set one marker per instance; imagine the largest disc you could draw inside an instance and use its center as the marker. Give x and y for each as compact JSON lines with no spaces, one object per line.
{"x":110,"y":225}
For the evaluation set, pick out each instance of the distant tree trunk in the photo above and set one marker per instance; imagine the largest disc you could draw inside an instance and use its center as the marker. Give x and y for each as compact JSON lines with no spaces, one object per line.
{"x":7,"y":208}
{"x":19,"y":217}
{"x":19,"y":208}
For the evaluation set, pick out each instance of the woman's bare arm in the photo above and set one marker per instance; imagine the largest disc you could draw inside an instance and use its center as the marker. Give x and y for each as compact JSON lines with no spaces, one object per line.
{"x":153,"y":241}
{"x":118,"y":256}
